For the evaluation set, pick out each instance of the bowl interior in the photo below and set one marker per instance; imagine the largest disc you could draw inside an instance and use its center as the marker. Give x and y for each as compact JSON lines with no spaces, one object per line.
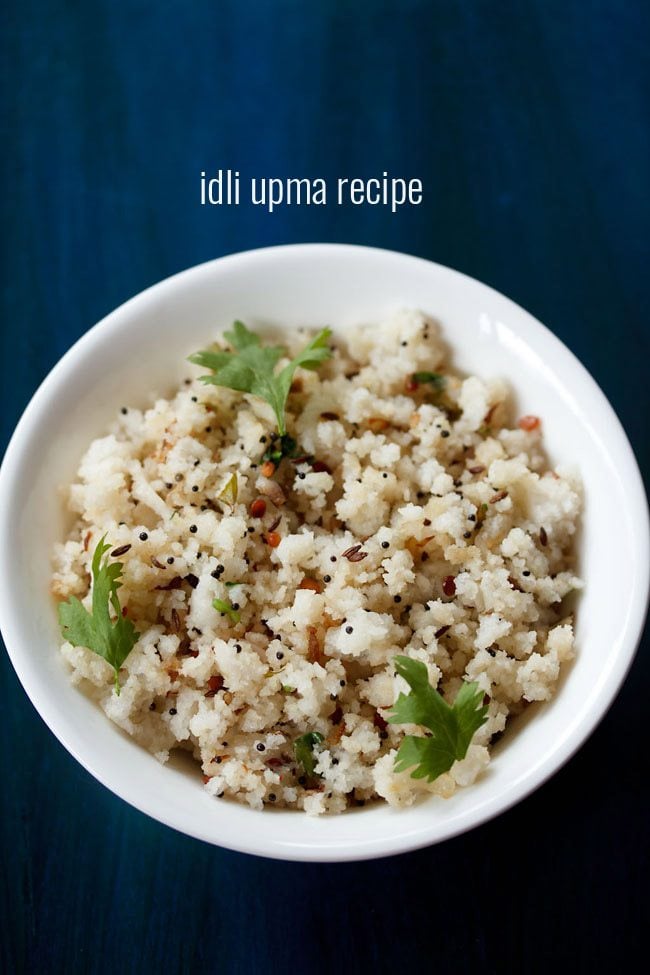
{"x":140,"y":349}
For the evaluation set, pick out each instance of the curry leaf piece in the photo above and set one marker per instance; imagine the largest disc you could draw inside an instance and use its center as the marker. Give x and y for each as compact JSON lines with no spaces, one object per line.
{"x":303,"y":749}
{"x":223,"y":607}
{"x":280,"y":447}
{"x":434,"y":379}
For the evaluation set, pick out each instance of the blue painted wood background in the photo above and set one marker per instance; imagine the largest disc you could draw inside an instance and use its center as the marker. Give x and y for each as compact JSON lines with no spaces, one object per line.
{"x":528,"y":120}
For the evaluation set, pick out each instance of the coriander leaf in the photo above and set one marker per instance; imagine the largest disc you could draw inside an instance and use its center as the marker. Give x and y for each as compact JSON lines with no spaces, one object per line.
{"x":434,"y":379}
{"x":251,"y":367}
{"x":303,"y":749}
{"x":284,"y":446}
{"x":471,"y":713}
{"x":223,"y":607}
{"x":77,"y":626}
{"x":112,"y":639}
{"x":316,"y":352}
{"x":452,"y":727}
{"x":310,"y":358}
{"x":211,"y":359}
{"x":417,"y":752}
{"x":241,"y":337}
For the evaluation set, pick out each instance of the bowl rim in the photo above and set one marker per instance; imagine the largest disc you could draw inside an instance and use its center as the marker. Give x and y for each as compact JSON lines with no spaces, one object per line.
{"x":378,"y":846}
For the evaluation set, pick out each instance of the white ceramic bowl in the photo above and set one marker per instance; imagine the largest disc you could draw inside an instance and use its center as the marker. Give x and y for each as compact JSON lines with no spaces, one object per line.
{"x":138,"y":348}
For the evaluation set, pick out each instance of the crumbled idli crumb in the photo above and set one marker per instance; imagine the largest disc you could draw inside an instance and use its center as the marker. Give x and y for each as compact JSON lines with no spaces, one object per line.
{"x":417,"y":521}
